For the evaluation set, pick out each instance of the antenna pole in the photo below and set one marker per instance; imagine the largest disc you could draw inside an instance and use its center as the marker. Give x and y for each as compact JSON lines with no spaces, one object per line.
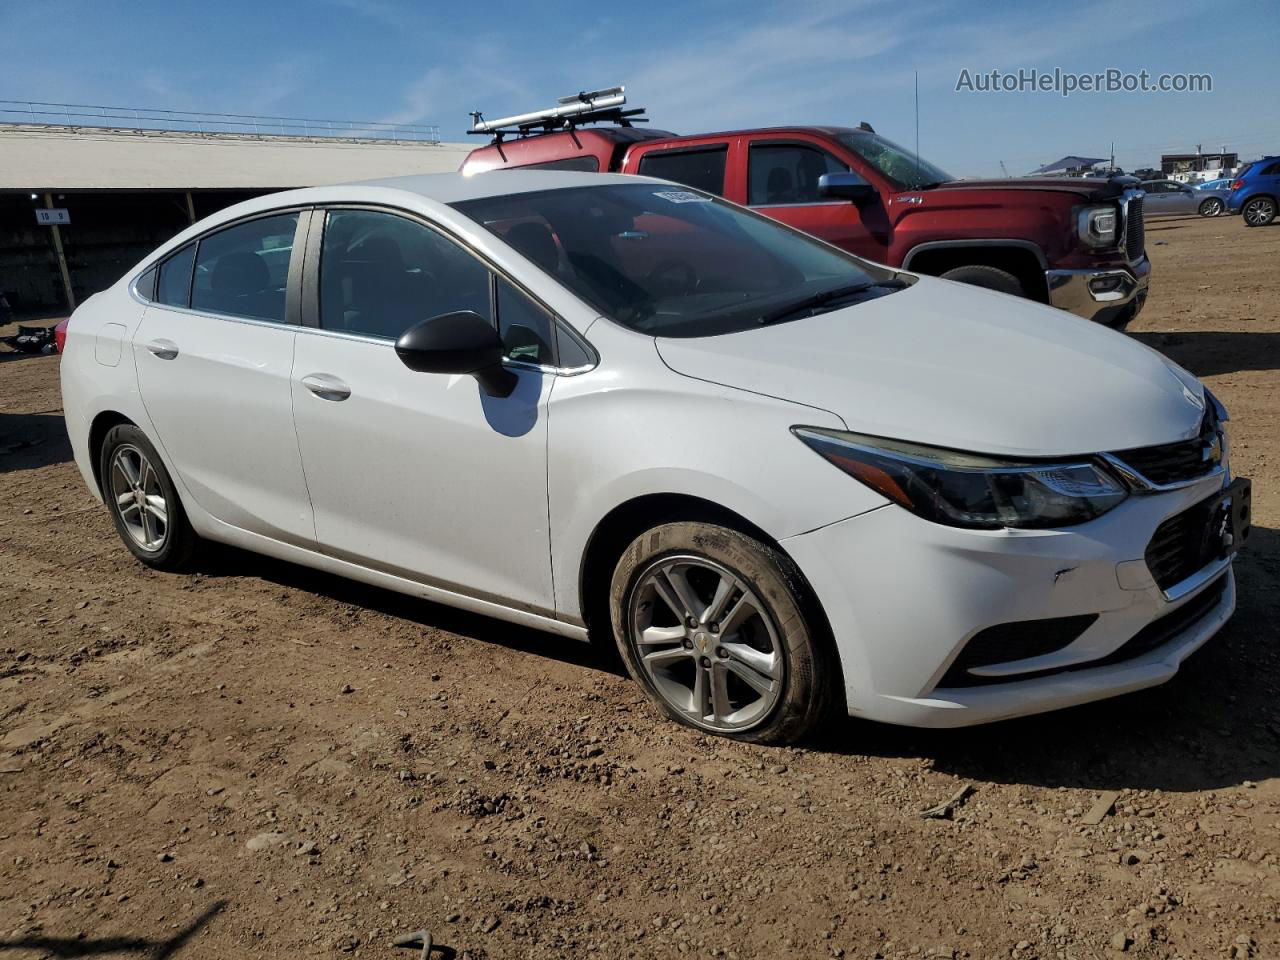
{"x":917,"y":80}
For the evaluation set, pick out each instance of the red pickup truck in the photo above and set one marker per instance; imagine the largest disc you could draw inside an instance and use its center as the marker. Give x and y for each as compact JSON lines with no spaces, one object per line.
{"x":1073,"y":243}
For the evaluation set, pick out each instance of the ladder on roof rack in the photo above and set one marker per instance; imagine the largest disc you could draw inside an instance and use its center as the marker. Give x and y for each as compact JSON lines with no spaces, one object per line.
{"x":587,"y":106}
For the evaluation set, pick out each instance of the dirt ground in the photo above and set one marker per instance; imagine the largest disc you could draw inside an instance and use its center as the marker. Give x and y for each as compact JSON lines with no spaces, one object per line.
{"x":262,"y":760}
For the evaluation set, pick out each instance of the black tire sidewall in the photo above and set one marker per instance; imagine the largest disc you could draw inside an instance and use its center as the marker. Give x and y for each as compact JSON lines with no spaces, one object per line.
{"x":987,"y":278}
{"x":811,"y":668}
{"x":1271,"y":214}
{"x":180,"y":539}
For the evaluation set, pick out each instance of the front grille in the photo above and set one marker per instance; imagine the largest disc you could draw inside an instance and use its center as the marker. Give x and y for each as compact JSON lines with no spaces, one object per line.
{"x":1181,"y":545}
{"x":1177,"y":462}
{"x":1135,"y":240}
{"x":1007,"y":642}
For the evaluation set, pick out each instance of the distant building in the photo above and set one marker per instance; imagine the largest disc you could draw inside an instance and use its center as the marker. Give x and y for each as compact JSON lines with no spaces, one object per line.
{"x":1068,"y":167}
{"x":1198,"y":167}
{"x":110,"y":195}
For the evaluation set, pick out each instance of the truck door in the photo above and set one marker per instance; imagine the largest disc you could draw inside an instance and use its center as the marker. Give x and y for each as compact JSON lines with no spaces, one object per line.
{"x":782,"y":183}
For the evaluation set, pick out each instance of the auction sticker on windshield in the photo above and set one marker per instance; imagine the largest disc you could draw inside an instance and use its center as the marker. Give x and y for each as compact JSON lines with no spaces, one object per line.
{"x":681,"y":196}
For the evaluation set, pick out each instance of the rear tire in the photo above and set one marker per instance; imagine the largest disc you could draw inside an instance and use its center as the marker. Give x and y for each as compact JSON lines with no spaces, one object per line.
{"x":1258,"y":211}
{"x":742,"y":657}
{"x":989,"y":278}
{"x":1211,"y":207}
{"x":143,"y":501}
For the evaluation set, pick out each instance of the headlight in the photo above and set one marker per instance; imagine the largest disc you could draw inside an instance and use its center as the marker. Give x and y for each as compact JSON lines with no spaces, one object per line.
{"x":1099,"y":226}
{"x":967,"y":489}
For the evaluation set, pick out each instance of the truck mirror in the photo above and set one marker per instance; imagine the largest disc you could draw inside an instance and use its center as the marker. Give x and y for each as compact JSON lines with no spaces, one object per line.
{"x":846,"y":186}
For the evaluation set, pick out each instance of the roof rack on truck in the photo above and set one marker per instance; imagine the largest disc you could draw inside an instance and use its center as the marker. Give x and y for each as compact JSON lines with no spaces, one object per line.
{"x":587,"y":106}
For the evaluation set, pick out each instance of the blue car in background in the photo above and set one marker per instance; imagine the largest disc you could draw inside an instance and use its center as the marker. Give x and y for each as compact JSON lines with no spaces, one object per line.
{"x":1255,"y":193}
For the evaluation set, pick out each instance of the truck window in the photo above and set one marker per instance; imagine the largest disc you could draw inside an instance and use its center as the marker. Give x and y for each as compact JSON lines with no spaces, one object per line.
{"x":585,"y":164}
{"x":702,"y":168}
{"x":781,"y":173}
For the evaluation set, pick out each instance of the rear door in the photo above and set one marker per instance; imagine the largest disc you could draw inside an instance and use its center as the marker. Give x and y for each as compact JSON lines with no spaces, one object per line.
{"x":703,"y":166}
{"x":214,"y":351}
{"x":782,"y":182}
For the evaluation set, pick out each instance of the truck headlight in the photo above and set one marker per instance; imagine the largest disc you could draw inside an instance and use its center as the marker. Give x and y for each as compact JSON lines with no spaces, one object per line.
{"x":968,"y":489}
{"x":1099,"y":226}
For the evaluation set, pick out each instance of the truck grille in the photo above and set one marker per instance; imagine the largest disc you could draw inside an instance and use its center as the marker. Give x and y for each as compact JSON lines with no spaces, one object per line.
{"x":1135,"y":240}
{"x":1180,"y":546}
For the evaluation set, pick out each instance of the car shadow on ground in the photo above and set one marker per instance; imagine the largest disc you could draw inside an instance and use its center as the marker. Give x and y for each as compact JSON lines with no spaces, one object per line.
{"x":223,"y":561}
{"x":1208,"y":353}
{"x":31,"y":440}
{"x":1215,"y":725}
{"x":89,"y":947}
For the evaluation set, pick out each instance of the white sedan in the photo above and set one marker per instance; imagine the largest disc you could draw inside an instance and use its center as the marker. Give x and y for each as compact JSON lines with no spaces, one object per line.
{"x":788,"y":481}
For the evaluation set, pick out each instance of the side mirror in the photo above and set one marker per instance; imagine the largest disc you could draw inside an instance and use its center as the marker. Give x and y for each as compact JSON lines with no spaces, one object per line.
{"x":846,"y":186}
{"x":462,"y":342}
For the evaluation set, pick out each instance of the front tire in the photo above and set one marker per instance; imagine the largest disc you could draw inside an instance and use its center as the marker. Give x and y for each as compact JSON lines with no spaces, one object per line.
{"x":1258,"y":211}
{"x":143,"y":501}
{"x":715,"y":626}
{"x":989,"y":278}
{"x":1211,"y":207}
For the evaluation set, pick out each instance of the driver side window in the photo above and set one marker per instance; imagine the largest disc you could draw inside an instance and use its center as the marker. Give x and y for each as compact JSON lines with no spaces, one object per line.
{"x":785,"y":173}
{"x":381,"y":273}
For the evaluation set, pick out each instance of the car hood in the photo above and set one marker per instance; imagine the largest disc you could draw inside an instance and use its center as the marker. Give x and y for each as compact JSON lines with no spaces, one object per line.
{"x":957,"y":366}
{"x":1091,"y":188}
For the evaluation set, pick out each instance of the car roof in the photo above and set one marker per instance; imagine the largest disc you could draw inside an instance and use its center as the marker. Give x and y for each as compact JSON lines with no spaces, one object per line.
{"x":453,"y":187}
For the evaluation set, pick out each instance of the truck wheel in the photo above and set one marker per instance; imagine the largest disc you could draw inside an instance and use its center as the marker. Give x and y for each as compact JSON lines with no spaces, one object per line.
{"x":143,"y":502}
{"x":714,"y":625}
{"x":1211,"y":207}
{"x":989,"y":278}
{"x":1259,"y":211}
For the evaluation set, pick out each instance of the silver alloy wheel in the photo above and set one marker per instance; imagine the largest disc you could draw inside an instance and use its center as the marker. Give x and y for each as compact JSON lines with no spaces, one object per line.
{"x":139,"y":498}
{"x":1258,"y":212}
{"x":706,"y":643}
{"x":1211,"y":207}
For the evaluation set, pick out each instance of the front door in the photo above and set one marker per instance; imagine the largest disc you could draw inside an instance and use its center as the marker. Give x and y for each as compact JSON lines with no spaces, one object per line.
{"x":421,"y":475}
{"x":782,"y":183}
{"x":214,"y":353}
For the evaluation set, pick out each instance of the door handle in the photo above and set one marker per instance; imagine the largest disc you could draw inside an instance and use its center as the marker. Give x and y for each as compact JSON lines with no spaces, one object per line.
{"x":326,"y":387}
{"x":164,"y":349}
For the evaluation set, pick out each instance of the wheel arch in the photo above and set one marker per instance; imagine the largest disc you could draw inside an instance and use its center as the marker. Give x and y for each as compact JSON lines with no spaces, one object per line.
{"x":98,"y":430}
{"x":1022,"y":258}
{"x":626,"y":521}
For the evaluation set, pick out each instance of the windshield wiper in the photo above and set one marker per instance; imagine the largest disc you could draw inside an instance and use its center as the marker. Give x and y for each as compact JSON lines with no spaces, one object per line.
{"x":824,"y":299}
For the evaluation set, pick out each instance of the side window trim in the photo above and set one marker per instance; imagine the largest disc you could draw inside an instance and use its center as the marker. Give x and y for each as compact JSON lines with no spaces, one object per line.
{"x":310,"y":282}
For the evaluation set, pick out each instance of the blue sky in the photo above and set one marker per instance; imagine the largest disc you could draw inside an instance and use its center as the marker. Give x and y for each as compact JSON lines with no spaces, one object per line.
{"x":696,"y":67}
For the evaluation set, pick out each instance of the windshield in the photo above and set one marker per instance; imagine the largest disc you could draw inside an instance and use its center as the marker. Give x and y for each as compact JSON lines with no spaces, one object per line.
{"x":673,"y":262}
{"x":901,"y":166}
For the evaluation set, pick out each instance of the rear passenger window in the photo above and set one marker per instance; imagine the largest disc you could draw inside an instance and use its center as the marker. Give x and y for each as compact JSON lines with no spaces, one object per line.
{"x":174,"y":289}
{"x":585,"y":164}
{"x":380,"y":274}
{"x":243,"y":271}
{"x":781,"y":173}
{"x":700,"y":169}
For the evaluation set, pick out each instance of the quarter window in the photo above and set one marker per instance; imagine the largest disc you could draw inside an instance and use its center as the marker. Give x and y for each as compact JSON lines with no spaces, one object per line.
{"x":526,"y":329}
{"x":174,"y":289}
{"x":243,"y":271}
{"x":700,"y":169}
{"x":381,"y":273}
{"x":779,"y":173}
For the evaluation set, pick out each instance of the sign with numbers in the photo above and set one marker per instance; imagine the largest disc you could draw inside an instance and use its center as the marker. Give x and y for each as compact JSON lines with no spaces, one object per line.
{"x":49,"y":216}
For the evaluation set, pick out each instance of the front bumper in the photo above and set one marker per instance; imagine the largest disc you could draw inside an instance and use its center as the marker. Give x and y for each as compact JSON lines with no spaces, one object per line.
{"x":1108,"y":295}
{"x":904,"y":597}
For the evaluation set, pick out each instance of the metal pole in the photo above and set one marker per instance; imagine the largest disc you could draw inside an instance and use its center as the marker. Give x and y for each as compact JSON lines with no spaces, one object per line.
{"x":62,"y":257}
{"x":191,"y":207}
